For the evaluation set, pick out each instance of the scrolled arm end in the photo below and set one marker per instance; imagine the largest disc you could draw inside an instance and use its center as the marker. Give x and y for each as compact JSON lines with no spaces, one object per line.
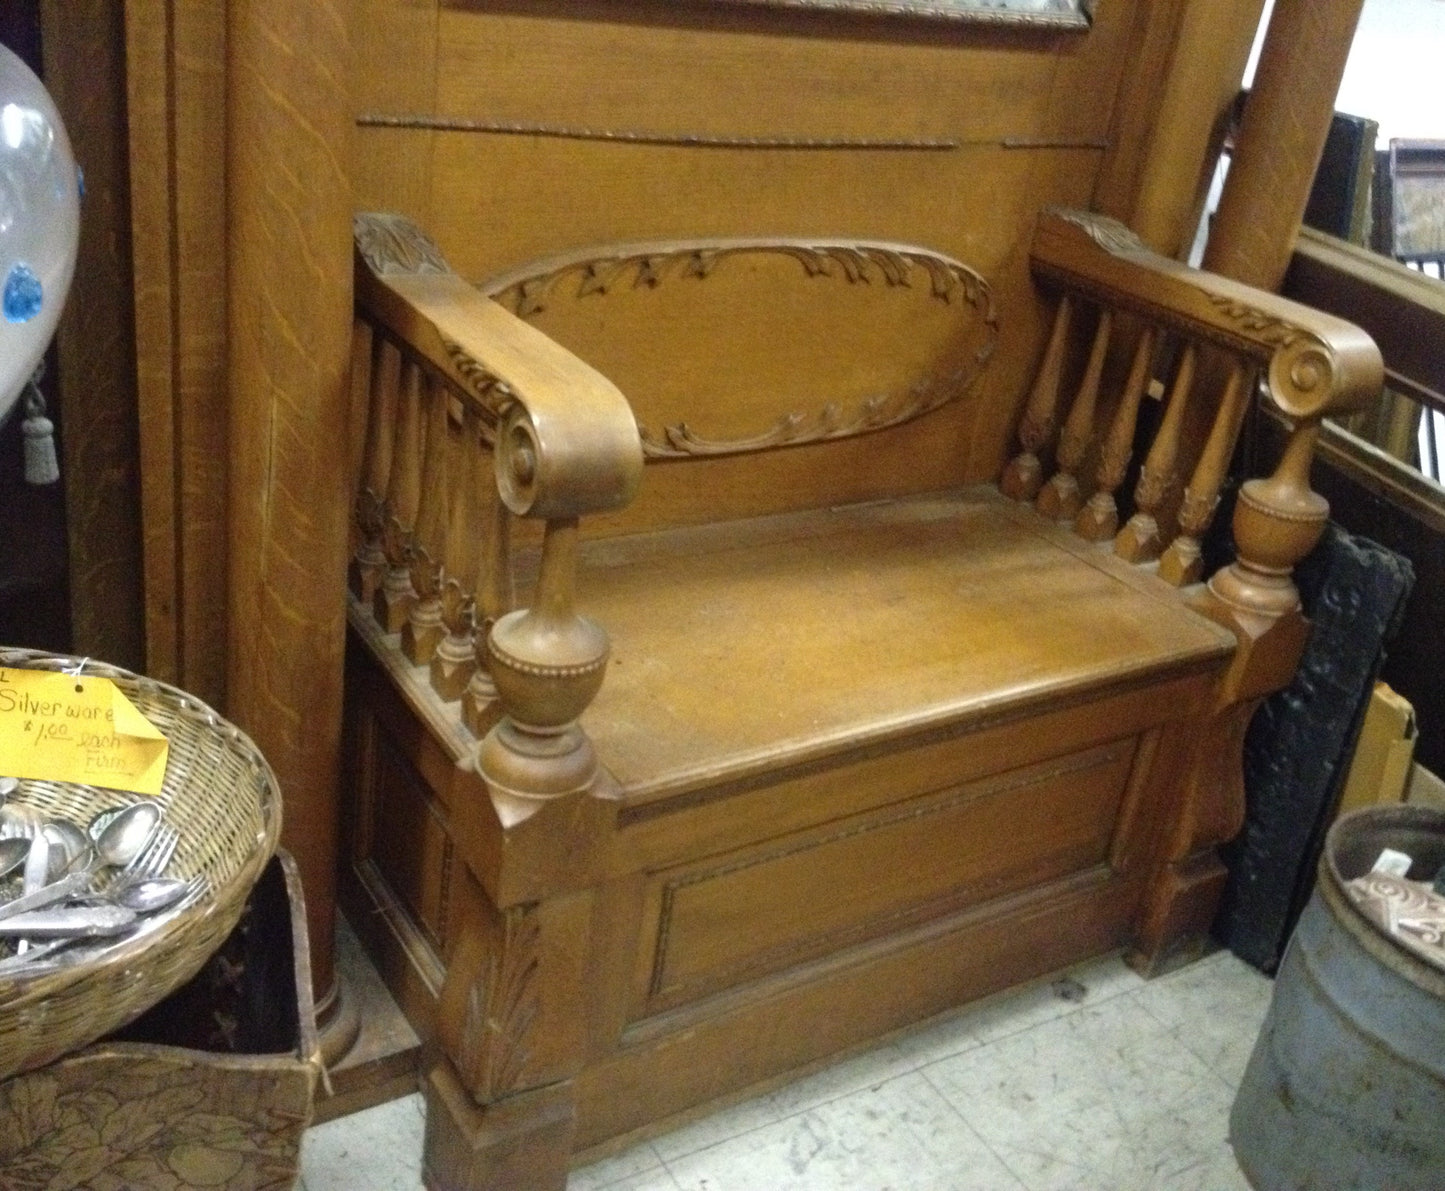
{"x":552,"y":467}
{"x":567,"y":440}
{"x":1313,"y":377}
{"x":1316,"y":364}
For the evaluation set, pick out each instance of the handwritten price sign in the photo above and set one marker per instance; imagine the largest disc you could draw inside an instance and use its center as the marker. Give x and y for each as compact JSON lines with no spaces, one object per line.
{"x":60,"y":728}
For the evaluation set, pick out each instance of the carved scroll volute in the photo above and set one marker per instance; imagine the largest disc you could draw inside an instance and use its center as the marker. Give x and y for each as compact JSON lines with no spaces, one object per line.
{"x":368,"y":567}
{"x":1059,"y":498}
{"x":1278,"y":520}
{"x":453,"y":663}
{"x":423,"y":630}
{"x":1139,"y":540}
{"x":1024,"y":474}
{"x":403,"y":496}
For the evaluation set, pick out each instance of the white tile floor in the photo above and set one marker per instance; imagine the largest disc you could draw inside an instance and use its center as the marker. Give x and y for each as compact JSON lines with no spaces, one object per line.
{"x":1096,"y":1082}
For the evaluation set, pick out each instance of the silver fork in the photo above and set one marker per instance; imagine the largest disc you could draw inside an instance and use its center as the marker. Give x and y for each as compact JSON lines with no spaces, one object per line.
{"x":153,"y":859}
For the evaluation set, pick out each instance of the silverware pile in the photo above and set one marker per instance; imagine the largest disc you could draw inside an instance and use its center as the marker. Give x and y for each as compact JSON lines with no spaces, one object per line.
{"x":82,"y":888}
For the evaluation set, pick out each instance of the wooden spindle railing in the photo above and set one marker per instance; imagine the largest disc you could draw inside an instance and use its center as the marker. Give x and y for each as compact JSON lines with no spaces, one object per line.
{"x":1183,"y":563}
{"x":1059,"y":498}
{"x":481,"y":708}
{"x":454,"y":660}
{"x":423,"y":630}
{"x":491,"y":420}
{"x":1225,"y":333}
{"x":1141,"y":540}
{"x":1024,"y":474}
{"x":394,"y":597}
{"x":368,"y":566}
{"x":1098,"y":520}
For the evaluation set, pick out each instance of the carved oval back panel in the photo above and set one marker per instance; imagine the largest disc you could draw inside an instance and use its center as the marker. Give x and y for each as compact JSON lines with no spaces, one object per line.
{"x":732,"y":346}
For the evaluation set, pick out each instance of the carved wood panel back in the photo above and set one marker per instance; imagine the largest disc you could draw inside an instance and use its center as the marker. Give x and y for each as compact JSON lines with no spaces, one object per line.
{"x":732,"y":346}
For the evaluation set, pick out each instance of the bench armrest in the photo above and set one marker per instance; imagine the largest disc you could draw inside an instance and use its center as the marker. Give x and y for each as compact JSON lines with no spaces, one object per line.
{"x":566,"y":441}
{"x":1316,"y":365}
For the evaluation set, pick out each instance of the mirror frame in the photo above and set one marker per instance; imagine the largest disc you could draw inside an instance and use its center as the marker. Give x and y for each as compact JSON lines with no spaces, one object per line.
{"x":975,"y":12}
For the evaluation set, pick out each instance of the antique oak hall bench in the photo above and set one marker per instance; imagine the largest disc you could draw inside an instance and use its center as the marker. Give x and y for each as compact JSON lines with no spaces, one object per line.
{"x":659,"y":800}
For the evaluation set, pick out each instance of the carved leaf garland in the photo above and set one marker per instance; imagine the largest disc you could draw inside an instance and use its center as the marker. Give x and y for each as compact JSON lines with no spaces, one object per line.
{"x":854,"y":263}
{"x":393,"y":244}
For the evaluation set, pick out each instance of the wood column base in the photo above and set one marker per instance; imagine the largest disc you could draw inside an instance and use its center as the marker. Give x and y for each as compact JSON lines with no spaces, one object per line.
{"x":1176,"y":931}
{"x":338,"y":1024}
{"x":523,"y":1142}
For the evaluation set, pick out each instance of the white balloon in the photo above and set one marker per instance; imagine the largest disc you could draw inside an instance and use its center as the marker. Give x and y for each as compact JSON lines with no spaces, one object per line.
{"x":39,"y":223}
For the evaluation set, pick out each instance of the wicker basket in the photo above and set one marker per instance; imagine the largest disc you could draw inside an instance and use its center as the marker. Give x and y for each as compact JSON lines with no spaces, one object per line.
{"x":222,"y":798}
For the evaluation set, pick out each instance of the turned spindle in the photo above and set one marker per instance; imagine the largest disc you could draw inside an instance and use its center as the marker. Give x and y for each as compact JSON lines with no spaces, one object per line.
{"x":403,"y":496}
{"x":1277,"y":521}
{"x":368,"y":565}
{"x":1022,"y":477}
{"x":481,"y":708}
{"x":548,"y":663}
{"x":1139,"y":541}
{"x":424,"y":630}
{"x":454,"y":661}
{"x":1059,"y":498}
{"x":1183,"y":562}
{"x":1098,"y":520}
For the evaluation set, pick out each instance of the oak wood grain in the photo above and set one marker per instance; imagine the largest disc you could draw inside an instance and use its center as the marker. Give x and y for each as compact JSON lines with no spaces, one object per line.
{"x":289,"y":290}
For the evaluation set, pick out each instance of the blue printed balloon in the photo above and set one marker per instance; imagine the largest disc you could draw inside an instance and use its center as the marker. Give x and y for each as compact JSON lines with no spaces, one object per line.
{"x":39,"y":223}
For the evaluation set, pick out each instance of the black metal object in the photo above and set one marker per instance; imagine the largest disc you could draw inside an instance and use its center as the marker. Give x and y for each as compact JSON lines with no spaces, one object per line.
{"x":1300,"y":741}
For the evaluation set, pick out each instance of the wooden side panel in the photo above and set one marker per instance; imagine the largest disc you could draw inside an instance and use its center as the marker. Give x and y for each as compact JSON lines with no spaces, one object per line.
{"x":740,"y":916}
{"x":176,"y":72}
{"x":289,"y":308}
{"x":85,"y":72}
{"x":409,"y":840}
{"x":676,"y":1061}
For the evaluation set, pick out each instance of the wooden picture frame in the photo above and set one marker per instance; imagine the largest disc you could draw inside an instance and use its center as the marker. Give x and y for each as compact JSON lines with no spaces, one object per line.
{"x":1052,"y":15}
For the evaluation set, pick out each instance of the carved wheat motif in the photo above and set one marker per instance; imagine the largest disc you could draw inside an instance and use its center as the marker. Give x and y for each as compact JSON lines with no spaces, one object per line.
{"x":502,"y":1006}
{"x":1108,"y":234}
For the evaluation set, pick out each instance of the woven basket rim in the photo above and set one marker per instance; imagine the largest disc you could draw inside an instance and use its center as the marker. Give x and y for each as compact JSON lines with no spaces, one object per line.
{"x":161,"y":949}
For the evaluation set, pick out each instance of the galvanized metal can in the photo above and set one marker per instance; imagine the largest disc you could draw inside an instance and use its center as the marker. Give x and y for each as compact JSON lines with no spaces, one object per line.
{"x":1345,"y":1089}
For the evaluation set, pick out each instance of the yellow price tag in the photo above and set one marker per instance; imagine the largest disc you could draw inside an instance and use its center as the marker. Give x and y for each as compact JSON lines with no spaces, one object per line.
{"x":64,"y":728}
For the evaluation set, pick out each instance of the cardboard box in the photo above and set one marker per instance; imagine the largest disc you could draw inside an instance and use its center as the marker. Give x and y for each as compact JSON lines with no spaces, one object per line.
{"x":211,"y":1088}
{"x":1381,"y":765}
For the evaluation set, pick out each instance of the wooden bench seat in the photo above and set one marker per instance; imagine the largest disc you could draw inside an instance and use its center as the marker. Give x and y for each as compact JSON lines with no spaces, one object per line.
{"x":761,"y":767}
{"x":744,"y":647}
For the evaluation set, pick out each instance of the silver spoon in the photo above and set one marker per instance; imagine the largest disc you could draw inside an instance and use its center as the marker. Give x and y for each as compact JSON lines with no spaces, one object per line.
{"x":122,"y":835}
{"x":13,"y":851}
{"x":150,"y":896}
{"x":70,"y":848}
{"x":17,"y":819}
{"x":37,"y":868}
{"x":86,"y":922}
{"x":8,"y":786}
